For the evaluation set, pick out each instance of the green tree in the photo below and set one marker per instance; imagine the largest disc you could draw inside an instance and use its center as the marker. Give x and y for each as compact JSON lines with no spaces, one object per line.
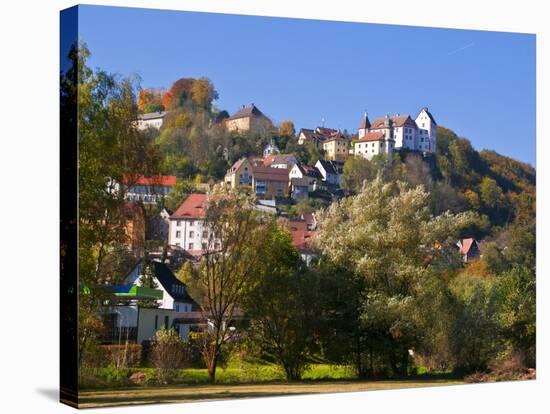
{"x":517,"y":318}
{"x":112,"y":154}
{"x":490,"y":192}
{"x":475,"y":338}
{"x":388,"y":235}
{"x":281,"y":305}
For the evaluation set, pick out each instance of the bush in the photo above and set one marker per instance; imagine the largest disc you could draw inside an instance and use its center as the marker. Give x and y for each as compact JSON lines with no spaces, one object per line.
{"x":122,"y":356}
{"x":168,"y":353}
{"x":476,"y":378}
{"x":509,"y":368}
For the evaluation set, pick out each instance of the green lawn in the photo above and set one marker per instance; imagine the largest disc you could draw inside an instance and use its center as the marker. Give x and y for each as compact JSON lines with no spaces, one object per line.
{"x":233,"y":374}
{"x":187,"y":393}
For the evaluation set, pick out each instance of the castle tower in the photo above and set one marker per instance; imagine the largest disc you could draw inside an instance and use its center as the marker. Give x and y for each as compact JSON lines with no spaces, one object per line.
{"x":389,"y":141}
{"x":364,"y":126}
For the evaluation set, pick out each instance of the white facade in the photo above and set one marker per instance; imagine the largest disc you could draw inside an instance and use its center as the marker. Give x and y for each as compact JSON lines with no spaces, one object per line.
{"x":427,"y":131}
{"x":190,"y":234}
{"x":151,"y":120}
{"x":330,"y":178}
{"x":370,"y":149}
{"x":414,"y":135}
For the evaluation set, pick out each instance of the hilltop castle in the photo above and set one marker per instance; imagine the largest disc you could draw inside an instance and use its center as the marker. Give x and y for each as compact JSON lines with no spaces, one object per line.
{"x":396,"y":132}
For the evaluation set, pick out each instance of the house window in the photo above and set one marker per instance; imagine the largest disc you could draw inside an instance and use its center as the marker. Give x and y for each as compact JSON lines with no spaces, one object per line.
{"x":204,"y":246}
{"x":216,"y":245}
{"x":205,"y":234}
{"x":178,"y":223}
{"x":166,"y":322}
{"x":190,"y":246}
{"x":191,"y":223}
{"x":178,"y":234}
{"x":177,"y":308}
{"x":191,"y":234}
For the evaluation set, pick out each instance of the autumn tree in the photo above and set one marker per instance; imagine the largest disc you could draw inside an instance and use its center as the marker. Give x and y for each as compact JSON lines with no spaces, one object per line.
{"x":234,"y":253}
{"x":150,"y":100}
{"x":177,"y":93}
{"x":203,"y":93}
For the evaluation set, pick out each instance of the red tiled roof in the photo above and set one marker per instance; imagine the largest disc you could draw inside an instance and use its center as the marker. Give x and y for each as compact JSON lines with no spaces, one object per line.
{"x":465,"y":245}
{"x":271,"y":174}
{"x":268,"y":160}
{"x":194,"y":207}
{"x":302,"y":240}
{"x":398,"y":121}
{"x":372,"y":136}
{"x":153,"y":180}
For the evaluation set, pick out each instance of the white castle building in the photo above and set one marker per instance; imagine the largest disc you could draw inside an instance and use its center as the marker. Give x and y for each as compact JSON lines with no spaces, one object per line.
{"x":396,"y":132}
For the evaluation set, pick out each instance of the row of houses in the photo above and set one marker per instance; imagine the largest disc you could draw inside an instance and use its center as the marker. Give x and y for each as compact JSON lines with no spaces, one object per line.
{"x":281,"y":176}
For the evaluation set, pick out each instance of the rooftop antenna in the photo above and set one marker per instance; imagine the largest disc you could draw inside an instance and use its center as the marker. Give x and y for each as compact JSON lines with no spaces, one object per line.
{"x":323,"y":122}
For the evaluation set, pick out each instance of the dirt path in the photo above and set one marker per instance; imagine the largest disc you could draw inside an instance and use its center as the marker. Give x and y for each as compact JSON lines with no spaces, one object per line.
{"x":151,"y":395}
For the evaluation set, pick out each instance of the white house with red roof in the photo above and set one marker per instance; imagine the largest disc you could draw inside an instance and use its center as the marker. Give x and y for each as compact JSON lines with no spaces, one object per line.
{"x":187,"y":228}
{"x":303,"y":232}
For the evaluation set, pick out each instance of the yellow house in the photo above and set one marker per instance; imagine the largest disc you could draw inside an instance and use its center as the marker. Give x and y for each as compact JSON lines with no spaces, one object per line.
{"x":266,"y":182}
{"x":240,"y":174}
{"x":336,"y":147}
{"x":271,"y":182}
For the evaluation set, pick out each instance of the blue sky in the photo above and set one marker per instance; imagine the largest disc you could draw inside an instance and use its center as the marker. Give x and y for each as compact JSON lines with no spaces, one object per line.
{"x":480,"y":84}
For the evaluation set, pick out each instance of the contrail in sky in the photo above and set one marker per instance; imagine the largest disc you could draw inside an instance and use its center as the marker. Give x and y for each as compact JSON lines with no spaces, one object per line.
{"x":469,"y":45}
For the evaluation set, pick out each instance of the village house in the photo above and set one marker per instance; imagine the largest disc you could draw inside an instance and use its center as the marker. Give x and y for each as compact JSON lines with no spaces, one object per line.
{"x":331,"y":171}
{"x":469,"y":249}
{"x":265,"y":182}
{"x":127,"y":319}
{"x":240,"y":174}
{"x":148,"y":189}
{"x":317,"y":135}
{"x":249,"y":119}
{"x":187,"y":228}
{"x":150,"y":120}
{"x":280,"y":161}
{"x":336,"y":146}
{"x":303,"y":180}
{"x":270,"y":183}
{"x":415,"y":135}
{"x":303,"y":232}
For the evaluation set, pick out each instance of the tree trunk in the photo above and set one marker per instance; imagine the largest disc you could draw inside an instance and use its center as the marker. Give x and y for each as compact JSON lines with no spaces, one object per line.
{"x":212,"y":368}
